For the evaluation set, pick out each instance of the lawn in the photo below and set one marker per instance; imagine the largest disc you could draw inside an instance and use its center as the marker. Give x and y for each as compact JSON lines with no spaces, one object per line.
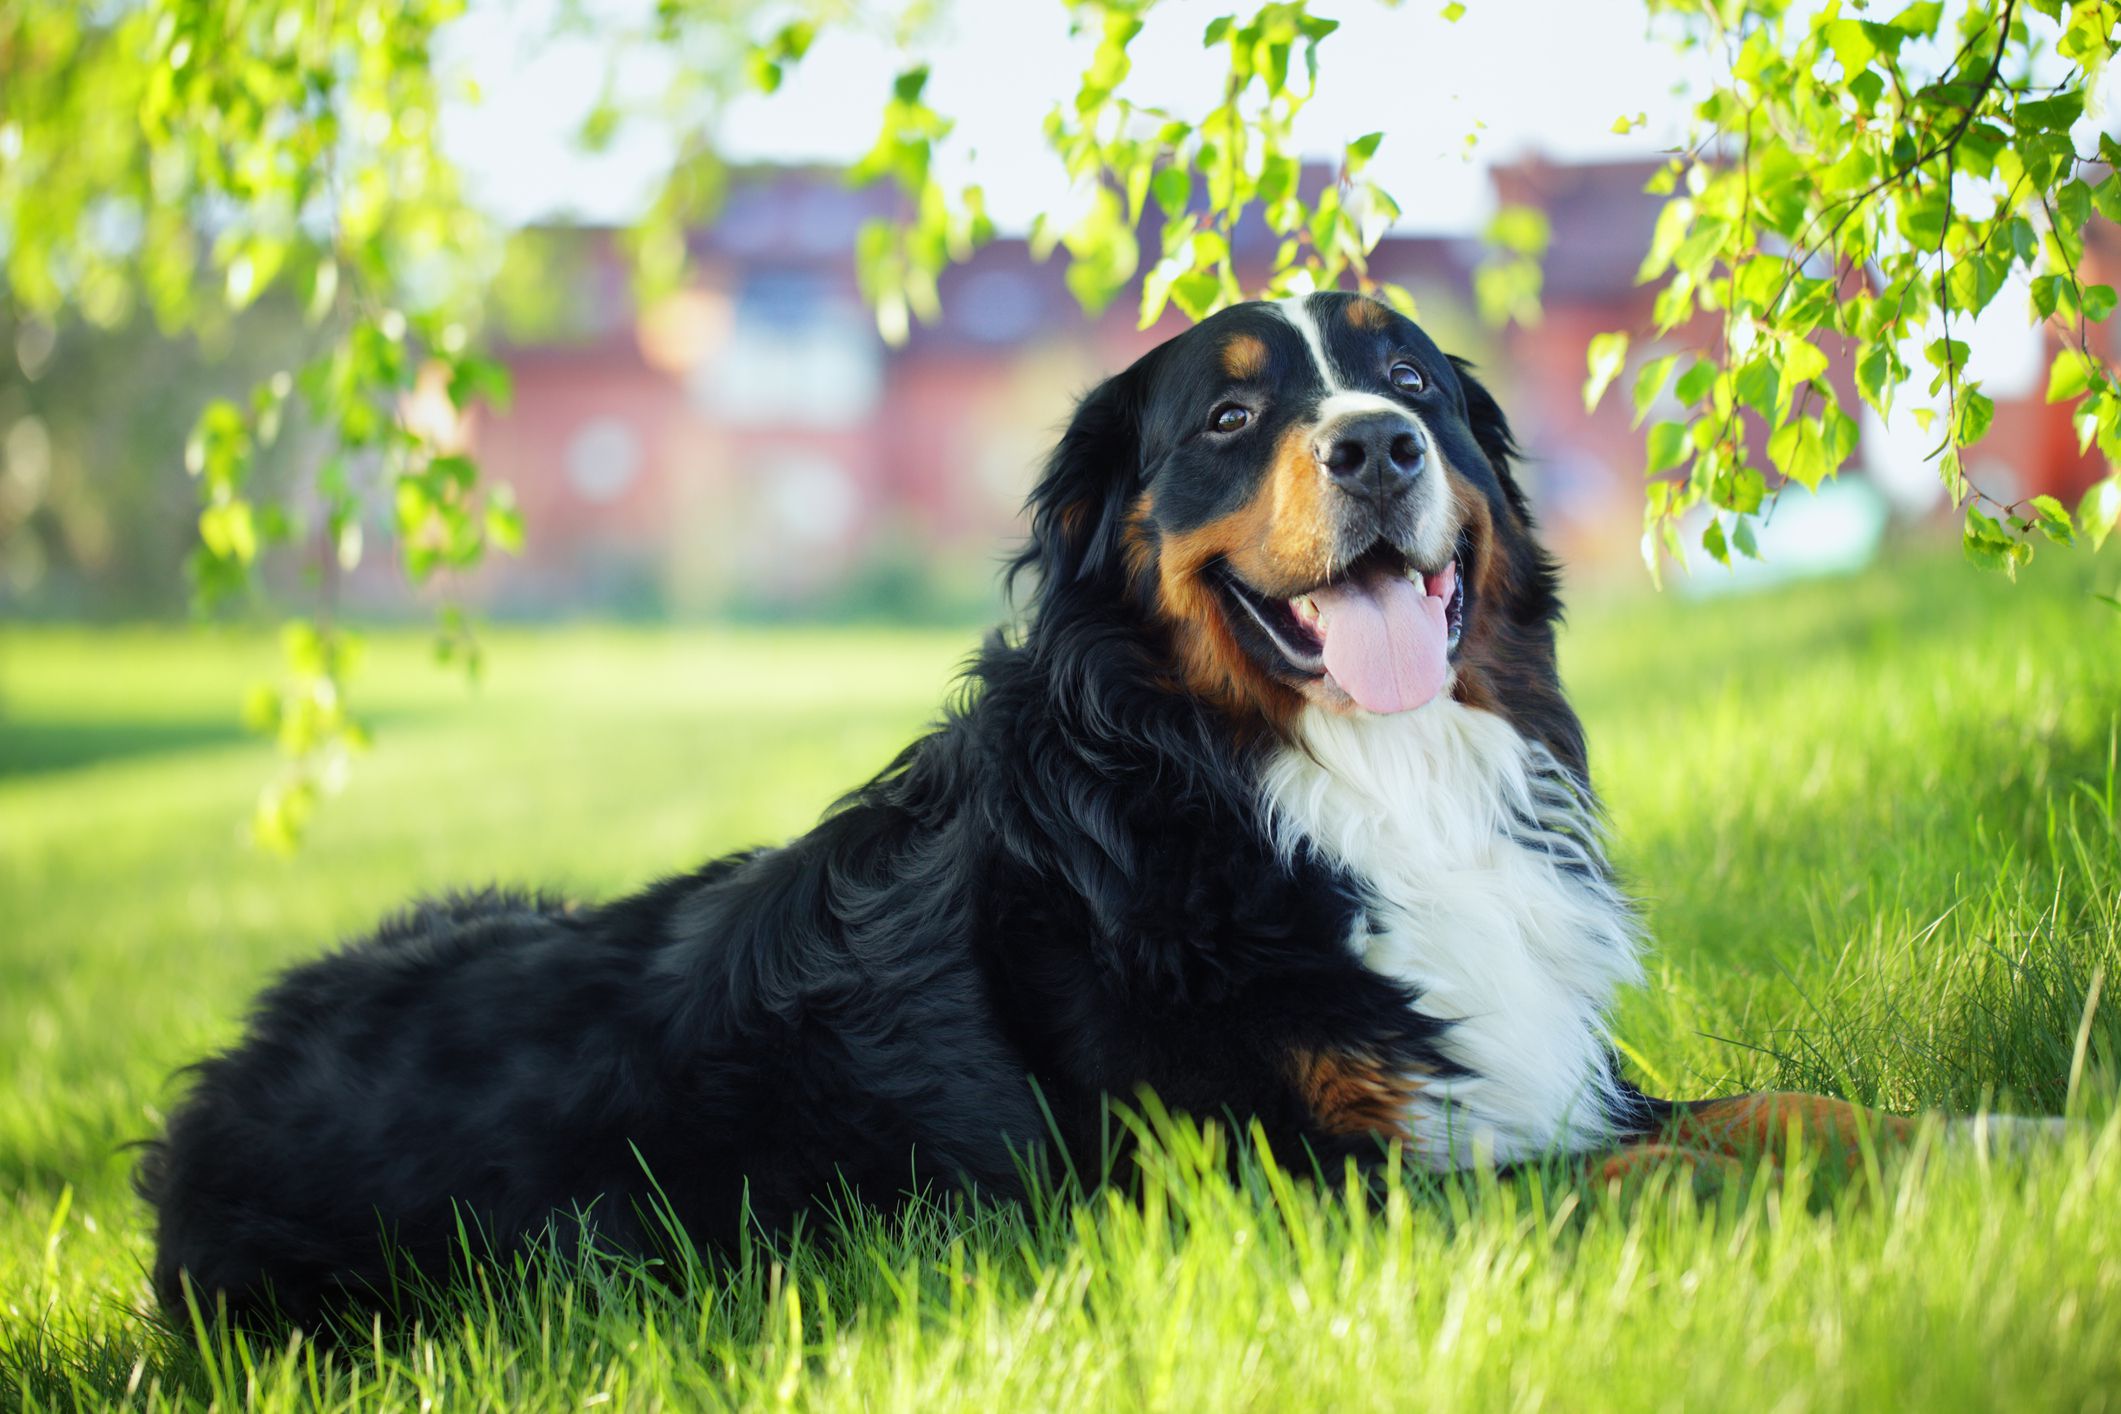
{"x":1876,"y":824}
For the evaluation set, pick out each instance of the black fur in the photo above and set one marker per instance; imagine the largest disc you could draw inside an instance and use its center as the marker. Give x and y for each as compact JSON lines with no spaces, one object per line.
{"x":1061,"y":894}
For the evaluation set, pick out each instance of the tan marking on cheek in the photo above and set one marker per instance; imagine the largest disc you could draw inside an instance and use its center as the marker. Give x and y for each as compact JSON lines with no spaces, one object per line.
{"x":1245,"y":356}
{"x":1368,"y":314}
{"x":1291,"y":545}
{"x":1280,"y":542}
{"x":1473,"y":521}
{"x":1353,"y":1092}
{"x":1504,"y":665}
{"x":1480,"y":680}
{"x":1210,"y":661}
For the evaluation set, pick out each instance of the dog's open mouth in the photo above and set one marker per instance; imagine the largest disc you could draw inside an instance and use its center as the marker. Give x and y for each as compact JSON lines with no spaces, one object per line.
{"x":1382,"y":631}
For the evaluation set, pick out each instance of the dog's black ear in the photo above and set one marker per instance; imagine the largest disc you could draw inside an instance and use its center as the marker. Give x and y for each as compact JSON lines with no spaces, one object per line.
{"x":1079,"y":506}
{"x":1492,"y":430}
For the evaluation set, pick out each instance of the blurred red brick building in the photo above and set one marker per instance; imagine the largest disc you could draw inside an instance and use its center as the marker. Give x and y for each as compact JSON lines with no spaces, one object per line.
{"x":753,"y":445}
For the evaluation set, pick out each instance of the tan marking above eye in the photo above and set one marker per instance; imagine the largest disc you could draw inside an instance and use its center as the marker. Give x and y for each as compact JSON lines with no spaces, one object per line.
{"x":1368,"y":314}
{"x":1245,"y":356}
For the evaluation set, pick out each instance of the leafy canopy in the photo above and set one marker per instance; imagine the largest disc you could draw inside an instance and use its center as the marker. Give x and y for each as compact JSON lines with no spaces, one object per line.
{"x":1861,"y":185}
{"x":186,"y":159}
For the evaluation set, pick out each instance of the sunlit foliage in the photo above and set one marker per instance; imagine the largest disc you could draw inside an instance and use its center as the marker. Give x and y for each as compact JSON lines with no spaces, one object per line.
{"x":190,"y":158}
{"x":1860,"y":186}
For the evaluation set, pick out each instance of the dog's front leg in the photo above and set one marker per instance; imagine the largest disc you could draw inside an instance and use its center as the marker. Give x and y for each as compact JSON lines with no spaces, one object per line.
{"x":1729,"y":1134}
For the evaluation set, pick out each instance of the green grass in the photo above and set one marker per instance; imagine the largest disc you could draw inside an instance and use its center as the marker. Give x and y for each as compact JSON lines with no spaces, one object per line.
{"x":1875,"y":822}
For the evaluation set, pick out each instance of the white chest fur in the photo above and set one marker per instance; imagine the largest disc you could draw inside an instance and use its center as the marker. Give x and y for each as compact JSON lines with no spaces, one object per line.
{"x":1488,"y":896}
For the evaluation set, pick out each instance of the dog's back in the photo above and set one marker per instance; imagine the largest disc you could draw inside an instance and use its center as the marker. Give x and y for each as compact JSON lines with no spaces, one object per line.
{"x":711,"y":1051}
{"x":436,"y":1060}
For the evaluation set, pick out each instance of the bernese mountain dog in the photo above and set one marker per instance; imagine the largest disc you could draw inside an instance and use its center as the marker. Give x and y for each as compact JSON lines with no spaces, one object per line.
{"x":1271,"y":806}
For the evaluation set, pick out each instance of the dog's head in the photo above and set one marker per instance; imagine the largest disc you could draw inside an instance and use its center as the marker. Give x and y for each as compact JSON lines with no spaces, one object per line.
{"x":1312,"y":504}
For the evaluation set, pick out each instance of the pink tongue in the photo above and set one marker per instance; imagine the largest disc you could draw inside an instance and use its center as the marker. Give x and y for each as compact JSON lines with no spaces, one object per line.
{"x":1386,"y":640}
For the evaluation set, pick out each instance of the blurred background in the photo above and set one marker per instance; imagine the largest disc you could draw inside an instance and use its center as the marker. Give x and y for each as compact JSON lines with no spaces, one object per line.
{"x":748,"y":447}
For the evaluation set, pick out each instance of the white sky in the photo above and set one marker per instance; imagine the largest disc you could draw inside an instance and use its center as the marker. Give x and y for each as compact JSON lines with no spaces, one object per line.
{"x":1544,"y":75}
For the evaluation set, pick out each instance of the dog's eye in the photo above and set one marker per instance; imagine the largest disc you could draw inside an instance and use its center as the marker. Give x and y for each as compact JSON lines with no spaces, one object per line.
{"x":1229,"y":417}
{"x":1407,"y":378}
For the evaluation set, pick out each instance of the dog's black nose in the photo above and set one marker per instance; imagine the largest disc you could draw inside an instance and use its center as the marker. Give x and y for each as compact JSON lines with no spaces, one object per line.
{"x":1378,"y":452}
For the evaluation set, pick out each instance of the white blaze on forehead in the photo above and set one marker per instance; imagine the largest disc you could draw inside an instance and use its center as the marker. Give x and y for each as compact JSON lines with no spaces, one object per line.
{"x":1297,"y":310}
{"x":1343,"y":404}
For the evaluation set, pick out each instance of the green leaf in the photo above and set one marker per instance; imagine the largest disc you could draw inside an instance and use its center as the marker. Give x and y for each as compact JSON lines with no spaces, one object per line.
{"x":794,"y":39}
{"x":1173,"y":188}
{"x":2106,"y":197}
{"x":1748,"y":488}
{"x":1798,"y":450}
{"x":2053,"y":520}
{"x":2069,"y":377}
{"x":1921,"y":217}
{"x":1453,"y":12}
{"x":1712,"y":541}
{"x":1873,"y":372}
{"x":1946,"y":353}
{"x":907,"y":87}
{"x":1649,"y":382}
{"x":1920,"y":19}
{"x":1852,"y":44}
{"x":1521,"y":230}
{"x":504,"y":527}
{"x":1195,"y":292}
{"x":1694,"y":384}
{"x":1974,"y":280}
{"x":1987,"y":543}
{"x":1701,"y":246}
{"x":1278,"y":178}
{"x":2046,"y":294}
{"x":2055,"y":114}
{"x":473,"y":377}
{"x":1608,"y":354}
{"x":229,"y":531}
{"x":1666,"y":445}
{"x":759,"y":67}
{"x":1759,"y":386}
{"x":1976,"y":411}
{"x":1742,"y":538}
{"x":2073,"y":205}
{"x":2100,"y":509}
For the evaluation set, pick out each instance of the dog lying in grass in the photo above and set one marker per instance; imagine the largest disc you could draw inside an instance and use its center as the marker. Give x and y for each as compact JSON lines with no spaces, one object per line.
{"x":1273,"y":806}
